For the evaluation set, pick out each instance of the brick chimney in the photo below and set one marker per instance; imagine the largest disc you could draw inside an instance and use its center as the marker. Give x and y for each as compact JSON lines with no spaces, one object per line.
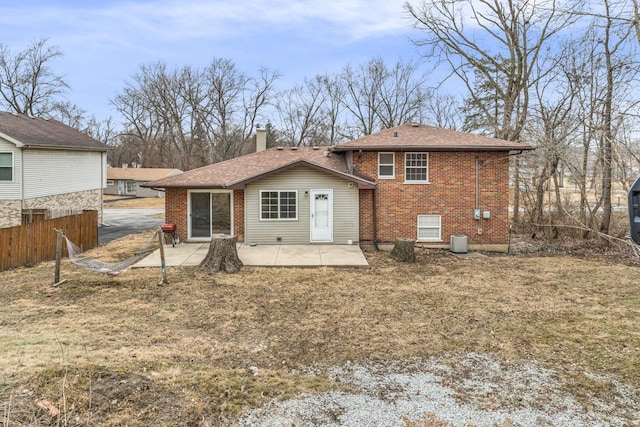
{"x":261,"y":139}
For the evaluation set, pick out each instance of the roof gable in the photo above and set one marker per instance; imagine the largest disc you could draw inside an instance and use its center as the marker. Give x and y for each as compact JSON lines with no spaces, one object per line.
{"x":418,"y":137}
{"x":25,"y":131}
{"x":237,"y":172}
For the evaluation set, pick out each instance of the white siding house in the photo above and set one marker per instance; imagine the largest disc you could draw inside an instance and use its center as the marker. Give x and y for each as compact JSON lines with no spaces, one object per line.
{"x":340,"y":218}
{"x":48,"y":168}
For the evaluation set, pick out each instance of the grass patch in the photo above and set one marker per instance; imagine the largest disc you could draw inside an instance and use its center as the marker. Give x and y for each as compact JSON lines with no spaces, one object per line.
{"x":124,"y":351}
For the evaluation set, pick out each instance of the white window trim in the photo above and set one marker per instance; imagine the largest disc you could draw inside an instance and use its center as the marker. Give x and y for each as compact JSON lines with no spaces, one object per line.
{"x":393,"y":166}
{"x":434,"y":239}
{"x":405,"y":169}
{"x":207,"y":239}
{"x":278,"y":219}
{"x":13,"y":166}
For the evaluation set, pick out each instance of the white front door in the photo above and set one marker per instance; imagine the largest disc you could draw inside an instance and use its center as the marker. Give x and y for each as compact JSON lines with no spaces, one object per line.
{"x":321,"y":215}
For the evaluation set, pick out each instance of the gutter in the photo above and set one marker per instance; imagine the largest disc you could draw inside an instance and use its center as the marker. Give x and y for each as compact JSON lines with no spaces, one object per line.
{"x":453,"y":148}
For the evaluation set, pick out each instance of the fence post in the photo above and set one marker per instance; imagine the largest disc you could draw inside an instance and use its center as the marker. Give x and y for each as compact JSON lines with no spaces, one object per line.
{"x":56,"y":278}
{"x":164,"y":280}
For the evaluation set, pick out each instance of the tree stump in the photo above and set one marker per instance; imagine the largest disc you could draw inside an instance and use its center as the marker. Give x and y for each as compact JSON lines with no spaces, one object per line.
{"x":404,"y":250}
{"x":222,"y":255}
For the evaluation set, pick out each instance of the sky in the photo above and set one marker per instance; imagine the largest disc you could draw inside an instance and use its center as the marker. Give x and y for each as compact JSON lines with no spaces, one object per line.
{"x":105,"y":42}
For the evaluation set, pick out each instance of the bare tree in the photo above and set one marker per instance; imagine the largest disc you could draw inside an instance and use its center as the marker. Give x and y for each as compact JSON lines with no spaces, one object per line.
{"x":402,"y":97}
{"x":443,"y":111}
{"x":510,"y":37}
{"x":613,"y":41}
{"x":28,"y":85}
{"x":378,"y":97}
{"x":300,"y":113}
{"x":233,"y":106}
{"x":332,"y":108}
{"x":363,"y":87}
{"x":186,"y":117}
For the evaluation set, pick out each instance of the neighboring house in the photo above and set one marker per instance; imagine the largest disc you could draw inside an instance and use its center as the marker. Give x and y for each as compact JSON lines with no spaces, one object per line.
{"x":126,"y":181}
{"x":413,"y":181}
{"x":48,"y":169}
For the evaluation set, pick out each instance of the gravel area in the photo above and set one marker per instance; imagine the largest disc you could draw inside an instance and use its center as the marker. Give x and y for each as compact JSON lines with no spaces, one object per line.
{"x":470,"y":390}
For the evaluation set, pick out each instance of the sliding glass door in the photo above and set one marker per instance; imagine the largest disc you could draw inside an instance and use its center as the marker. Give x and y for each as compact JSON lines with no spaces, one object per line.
{"x":209,"y":213}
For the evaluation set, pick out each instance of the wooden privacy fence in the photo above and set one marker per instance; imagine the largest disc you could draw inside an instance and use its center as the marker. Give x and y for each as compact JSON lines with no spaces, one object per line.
{"x":33,"y":243}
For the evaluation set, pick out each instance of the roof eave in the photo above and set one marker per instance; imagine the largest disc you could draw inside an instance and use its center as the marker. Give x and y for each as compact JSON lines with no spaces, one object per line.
{"x":458,"y":148}
{"x":361,"y":182}
{"x":65,"y":147}
{"x":152,"y":184}
{"x":11,"y":140}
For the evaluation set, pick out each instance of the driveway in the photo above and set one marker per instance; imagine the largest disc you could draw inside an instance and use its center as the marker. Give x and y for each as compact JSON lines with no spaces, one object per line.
{"x":118,"y":223}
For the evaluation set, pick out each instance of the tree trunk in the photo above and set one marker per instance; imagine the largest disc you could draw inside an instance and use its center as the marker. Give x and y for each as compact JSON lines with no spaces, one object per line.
{"x":404,"y":250}
{"x":222,"y":255}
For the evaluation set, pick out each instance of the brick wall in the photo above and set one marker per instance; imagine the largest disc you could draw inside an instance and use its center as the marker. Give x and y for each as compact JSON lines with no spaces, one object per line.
{"x":175,"y":209}
{"x":450,"y":193}
{"x":238,"y":214}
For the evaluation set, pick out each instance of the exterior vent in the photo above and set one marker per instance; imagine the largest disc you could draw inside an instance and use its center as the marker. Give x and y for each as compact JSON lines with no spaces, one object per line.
{"x":315,"y":147}
{"x":395,"y":134}
{"x":279,"y":148}
{"x":294,"y":148}
{"x":415,"y":125}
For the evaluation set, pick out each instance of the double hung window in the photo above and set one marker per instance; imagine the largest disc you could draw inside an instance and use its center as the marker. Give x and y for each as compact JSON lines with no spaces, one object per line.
{"x":6,"y":166}
{"x":279,"y":205}
{"x":386,"y":165}
{"x":416,"y":168}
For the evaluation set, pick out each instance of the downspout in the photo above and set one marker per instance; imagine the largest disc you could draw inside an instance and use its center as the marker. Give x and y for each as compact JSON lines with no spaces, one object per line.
{"x":22,"y":181}
{"x":375,"y":221}
{"x":103,"y":165}
{"x":477,"y":208}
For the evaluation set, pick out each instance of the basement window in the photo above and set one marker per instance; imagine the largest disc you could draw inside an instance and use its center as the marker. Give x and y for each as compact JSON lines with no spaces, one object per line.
{"x":429,"y":228}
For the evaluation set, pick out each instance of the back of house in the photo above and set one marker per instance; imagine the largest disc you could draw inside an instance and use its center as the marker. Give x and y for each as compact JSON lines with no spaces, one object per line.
{"x":413,"y":181}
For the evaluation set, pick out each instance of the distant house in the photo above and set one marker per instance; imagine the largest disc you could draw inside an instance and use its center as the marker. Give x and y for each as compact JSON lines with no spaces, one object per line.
{"x":47,"y":169}
{"x":413,"y":181}
{"x":127,"y":181}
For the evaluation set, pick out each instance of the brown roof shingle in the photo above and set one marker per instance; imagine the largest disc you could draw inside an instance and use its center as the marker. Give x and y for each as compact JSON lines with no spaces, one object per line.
{"x":413,"y":136}
{"x":37,"y":132}
{"x":237,"y":172}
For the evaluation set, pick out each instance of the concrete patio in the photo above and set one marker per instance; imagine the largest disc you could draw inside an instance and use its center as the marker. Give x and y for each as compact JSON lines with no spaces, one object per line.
{"x":191,"y":254}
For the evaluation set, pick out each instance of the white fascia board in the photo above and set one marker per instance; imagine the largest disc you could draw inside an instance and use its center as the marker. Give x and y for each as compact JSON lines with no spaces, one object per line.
{"x":11,"y":139}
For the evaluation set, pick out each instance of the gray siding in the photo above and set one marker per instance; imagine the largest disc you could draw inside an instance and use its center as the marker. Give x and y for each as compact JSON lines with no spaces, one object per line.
{"x":345,"y":208}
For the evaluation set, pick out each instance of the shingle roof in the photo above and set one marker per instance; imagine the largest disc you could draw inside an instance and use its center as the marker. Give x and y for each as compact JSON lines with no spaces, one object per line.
{"x":140,"y":174}
{"x":36,"y":132}
{"x":412,"y":136}
{"x":237,"y":172}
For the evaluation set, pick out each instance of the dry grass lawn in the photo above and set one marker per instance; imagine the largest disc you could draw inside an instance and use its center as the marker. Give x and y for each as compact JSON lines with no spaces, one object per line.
{"x":123,"y":351}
